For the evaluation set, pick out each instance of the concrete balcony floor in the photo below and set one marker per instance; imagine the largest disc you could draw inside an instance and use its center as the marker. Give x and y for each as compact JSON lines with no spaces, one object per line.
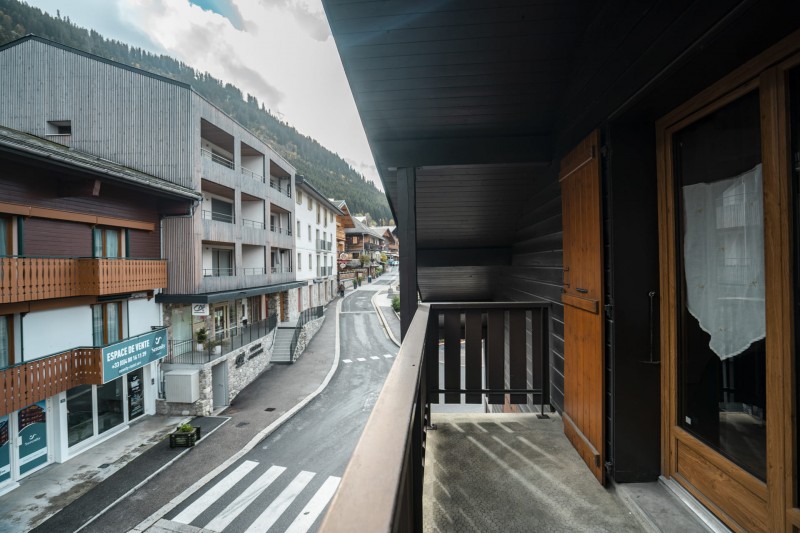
{"x":517,"y":473}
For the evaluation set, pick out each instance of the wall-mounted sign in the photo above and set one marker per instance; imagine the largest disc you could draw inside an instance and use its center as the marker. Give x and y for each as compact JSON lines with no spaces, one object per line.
{"x":200,"y":310}
{"x":128,"y":355}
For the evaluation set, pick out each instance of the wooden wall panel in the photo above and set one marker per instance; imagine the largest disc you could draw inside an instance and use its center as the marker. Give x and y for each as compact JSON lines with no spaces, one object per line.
{"x":144,"y":244}
{"x":57,"y":238}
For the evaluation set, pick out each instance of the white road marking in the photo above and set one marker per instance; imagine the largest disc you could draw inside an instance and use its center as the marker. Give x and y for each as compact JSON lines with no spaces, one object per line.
{"x":272,"y":513}
{"x":224,"y":485}
{"x":388,"y":355}
{"x":314,"y":508}
{"x":348,"y":361}
{"x":235,"y":508}
{"x":375,"y":357}
{"x":360,"y":359}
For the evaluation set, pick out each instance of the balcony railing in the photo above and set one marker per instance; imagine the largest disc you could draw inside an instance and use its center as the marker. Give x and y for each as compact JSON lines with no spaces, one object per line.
{"x":218,"y":159}
{"x":27,"y":383}
{"x":312,"y":313}
{"x":228,"y":340}
{"x":219,"y":217}
{"x":287,"y":189}
{"x":254,"y":271}
{"x":281,"y":270}
{"x":219,"y":271}
{"x":253,"y":223}
{"x":381,"y":490}
{"x":253,"y":175}
{"x":277,"y":229}
{"x":25,"y":279}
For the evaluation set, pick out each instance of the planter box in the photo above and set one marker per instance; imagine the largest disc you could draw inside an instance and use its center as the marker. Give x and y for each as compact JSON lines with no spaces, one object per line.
{"x":184,"y":439}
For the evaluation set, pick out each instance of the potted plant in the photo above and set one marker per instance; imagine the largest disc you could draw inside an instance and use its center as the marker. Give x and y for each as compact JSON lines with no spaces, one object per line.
{"x":185,"y":436}
{"x":202,"y":337}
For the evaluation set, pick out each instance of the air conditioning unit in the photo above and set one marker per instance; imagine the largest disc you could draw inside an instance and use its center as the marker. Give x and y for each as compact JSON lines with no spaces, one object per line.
{"x":182,"y":386}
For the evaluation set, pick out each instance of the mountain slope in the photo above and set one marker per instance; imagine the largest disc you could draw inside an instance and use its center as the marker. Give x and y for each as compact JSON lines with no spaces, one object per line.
{"x":328,"y":172}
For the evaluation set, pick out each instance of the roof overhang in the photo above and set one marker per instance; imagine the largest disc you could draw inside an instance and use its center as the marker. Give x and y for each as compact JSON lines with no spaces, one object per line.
{"x":224,"y":296}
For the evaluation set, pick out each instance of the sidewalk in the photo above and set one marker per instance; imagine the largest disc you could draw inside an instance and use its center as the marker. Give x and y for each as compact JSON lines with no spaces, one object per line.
{"x":114,"y":469}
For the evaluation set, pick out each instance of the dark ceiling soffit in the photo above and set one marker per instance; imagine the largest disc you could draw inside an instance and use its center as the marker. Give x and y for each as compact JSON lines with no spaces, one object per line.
{"x":531,"y":149}
{"x":452,"y":257}
{"x":224,"y":296}
{"x":33,"y":148}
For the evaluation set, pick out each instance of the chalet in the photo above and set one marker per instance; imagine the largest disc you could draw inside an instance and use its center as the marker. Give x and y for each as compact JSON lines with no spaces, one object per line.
{"x":230,"y":257}
{"x":81,"y":334}
{"x":600,"y":200}
{"x":314,"y":240}
{"x":392,"y":243}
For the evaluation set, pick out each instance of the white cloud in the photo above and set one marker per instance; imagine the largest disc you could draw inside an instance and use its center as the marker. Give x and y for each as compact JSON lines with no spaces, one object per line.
{"x":283,"y":55}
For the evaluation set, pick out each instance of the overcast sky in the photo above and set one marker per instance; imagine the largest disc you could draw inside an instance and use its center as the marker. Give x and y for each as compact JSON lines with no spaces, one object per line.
{"x":280,"y":51}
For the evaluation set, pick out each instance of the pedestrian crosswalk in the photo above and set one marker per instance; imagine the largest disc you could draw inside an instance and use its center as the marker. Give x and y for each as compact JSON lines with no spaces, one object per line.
{"x":363,"y":359}
{"x":237,"y":498}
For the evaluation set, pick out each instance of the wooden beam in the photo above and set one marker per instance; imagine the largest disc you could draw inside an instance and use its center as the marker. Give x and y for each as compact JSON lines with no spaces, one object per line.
{"x":407,"y":228}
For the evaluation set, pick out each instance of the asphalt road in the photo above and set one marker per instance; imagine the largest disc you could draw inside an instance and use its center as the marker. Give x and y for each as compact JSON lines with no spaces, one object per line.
{"x":285,"y":483}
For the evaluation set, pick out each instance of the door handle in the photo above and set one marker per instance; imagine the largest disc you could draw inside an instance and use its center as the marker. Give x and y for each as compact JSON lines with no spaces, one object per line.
{"x":582,"y":291}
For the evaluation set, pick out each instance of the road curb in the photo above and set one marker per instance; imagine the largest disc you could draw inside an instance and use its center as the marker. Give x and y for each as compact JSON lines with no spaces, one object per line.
{"x":382,"y":318}
{"x":158,"y":515}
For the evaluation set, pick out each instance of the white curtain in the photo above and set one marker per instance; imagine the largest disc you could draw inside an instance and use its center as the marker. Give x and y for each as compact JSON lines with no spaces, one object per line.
{"x":723,"y":256}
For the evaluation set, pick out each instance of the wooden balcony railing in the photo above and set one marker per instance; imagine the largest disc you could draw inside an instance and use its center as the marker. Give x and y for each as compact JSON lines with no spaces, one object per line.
{"x":381,"y":489}
{"x":27,"y":383}
{"x":25,"y":279}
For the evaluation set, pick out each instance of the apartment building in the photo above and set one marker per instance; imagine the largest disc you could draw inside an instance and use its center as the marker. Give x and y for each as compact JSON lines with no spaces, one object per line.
{"x":81,"y":334}
{"x":230,"y":277}
{"x":315,"y":243}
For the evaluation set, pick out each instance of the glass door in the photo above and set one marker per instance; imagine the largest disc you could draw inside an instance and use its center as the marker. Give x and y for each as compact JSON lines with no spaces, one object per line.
{"x":721,"y":314}
{"x":32,"y":435}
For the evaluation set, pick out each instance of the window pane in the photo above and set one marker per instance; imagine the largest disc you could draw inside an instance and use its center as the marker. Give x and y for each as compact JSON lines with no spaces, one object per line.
{"x":5,"y":227}
{"x":97,"y":325}
{"x":112,"y":321}
{"x":97,"y":242}
{"x":722,"y":326}
{"x":80,"y":424}
{"x":112,"y":243}
{"x":5,"y":339}
{"x":109,"y":405}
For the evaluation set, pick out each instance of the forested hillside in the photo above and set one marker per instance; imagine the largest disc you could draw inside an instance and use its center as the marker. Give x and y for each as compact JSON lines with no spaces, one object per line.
{"x":328,"y":172}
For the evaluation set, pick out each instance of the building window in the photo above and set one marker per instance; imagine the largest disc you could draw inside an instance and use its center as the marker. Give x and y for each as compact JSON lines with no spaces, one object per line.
{"x":310,"y":204}
{"x":6,"y":340}
{"x":298,"y":228}
{"x":107,"y":242}
{"x":5,"y":236}
{"x":222,"y":211}
{"x":299,"y":198}
{"x":310,"y":263}
{"x":59,"y":127}
{"x":106,"y":323}
{"x":299,"y":261}
{"x":309,"y":232}
{"x":221,"y":262}
{"x":355,"y":239}
{"x":319,"y":213}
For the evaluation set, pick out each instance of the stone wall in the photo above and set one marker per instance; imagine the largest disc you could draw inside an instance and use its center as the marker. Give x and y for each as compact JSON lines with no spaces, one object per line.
{"x":306,"y":334}
{"x":244,"y":366}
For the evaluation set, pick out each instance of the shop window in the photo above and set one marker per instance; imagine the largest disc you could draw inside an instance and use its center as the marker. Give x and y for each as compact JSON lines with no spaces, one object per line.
{"x":80,"y":419}
{"x":94,"y":409}
{"x":106,"y":323}
{"x":109,"y":405}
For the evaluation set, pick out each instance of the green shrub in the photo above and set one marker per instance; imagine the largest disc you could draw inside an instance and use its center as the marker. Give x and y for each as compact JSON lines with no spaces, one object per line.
{"x":396,"y":304}
{"x":185,"y":427}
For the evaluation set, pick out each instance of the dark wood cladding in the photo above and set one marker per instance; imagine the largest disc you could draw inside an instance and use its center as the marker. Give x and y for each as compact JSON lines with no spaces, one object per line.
{"x":58,"y":238}
{"x":536,"y":273}
{"x":33,"y":186}
{"x":144,"y":244}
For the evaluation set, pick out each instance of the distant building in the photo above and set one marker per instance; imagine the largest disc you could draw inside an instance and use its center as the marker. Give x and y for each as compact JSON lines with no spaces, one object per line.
{"x":315,"y":235}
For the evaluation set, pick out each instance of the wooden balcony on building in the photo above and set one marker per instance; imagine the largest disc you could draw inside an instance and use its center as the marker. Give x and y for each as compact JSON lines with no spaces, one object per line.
{"x":24,"y":279}
{"x":27,"y":383}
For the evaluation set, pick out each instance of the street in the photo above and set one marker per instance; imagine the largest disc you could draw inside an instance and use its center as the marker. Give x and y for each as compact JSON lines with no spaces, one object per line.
{"x":286,"y":481}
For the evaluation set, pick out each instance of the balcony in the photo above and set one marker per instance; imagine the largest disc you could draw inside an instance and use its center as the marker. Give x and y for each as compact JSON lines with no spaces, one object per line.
{"x":382,"y":488}
{"x":218,"y":216}
{"x":253,"y":175}
{"x":258,"y":224}
{"x":218,"y":159}
{"x":33,"y":381}
{"x":285,"y":189}
{"x":24,"y":279}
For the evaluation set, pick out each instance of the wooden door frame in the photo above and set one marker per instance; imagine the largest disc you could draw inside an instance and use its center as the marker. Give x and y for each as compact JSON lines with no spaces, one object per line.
{"x":767,"y":74}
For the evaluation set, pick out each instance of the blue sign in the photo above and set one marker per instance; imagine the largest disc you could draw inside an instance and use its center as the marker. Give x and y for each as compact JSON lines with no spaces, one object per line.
{"x":132,"y":353}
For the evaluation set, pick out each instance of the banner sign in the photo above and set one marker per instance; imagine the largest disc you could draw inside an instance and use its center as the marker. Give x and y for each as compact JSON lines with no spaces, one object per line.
{"x":128,"y":355}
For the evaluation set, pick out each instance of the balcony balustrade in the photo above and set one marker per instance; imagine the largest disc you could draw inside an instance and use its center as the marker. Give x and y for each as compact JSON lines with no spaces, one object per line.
{"x":218,"y":159}
{"x":387,"y":466}
{"x":219,"y":217}
{"x":25,"y":279}
{"x":277,"y":229}
{"x":27,"y":383}
{"x":253,"y":175}
{"x":285,"y":189}
{"x":253,"y":223}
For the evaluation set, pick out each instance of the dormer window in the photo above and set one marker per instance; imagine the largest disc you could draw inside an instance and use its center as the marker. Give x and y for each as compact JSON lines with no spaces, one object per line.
{"x":59,"y":127}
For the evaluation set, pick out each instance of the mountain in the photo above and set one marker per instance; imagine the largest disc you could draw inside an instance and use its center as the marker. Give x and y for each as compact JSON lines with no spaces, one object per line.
{"x":328,"y":172}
